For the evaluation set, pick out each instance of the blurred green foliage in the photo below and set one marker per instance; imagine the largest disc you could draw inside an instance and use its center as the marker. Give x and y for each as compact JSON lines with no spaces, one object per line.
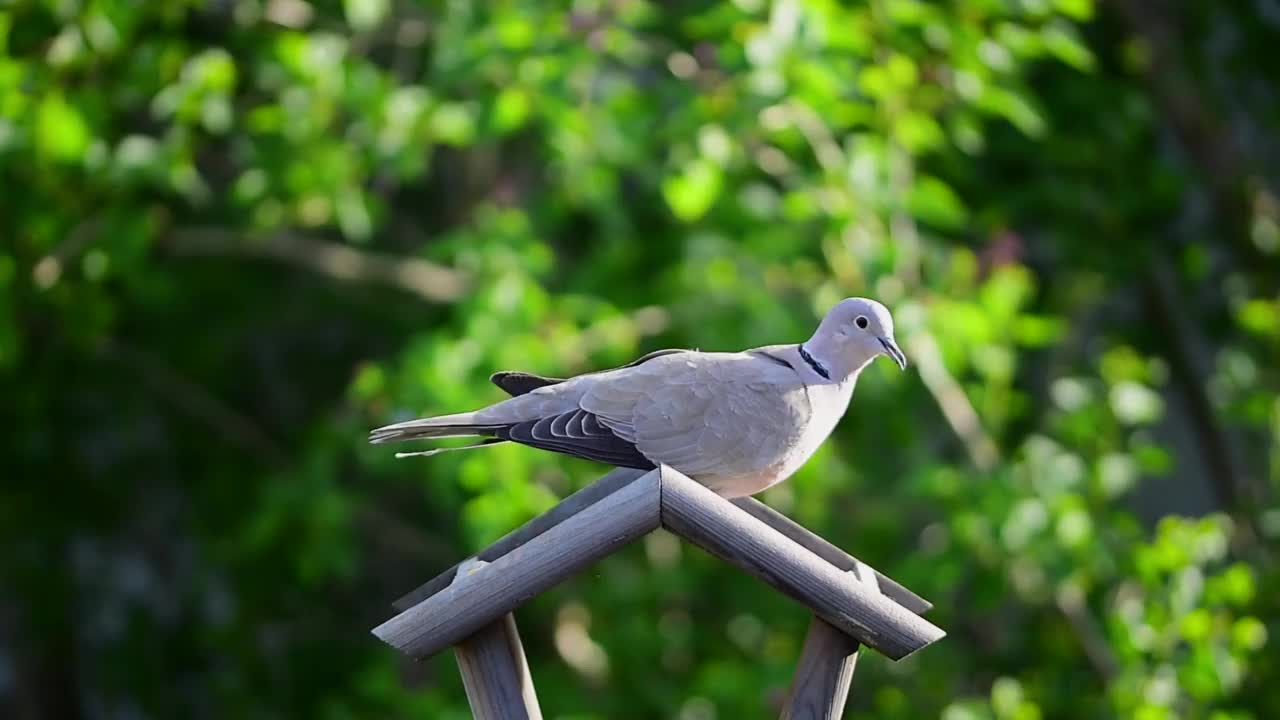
{"x":236,"y":234}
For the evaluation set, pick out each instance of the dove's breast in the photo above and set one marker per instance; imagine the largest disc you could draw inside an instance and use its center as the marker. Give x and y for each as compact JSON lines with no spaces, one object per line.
{"x":781,"y":448}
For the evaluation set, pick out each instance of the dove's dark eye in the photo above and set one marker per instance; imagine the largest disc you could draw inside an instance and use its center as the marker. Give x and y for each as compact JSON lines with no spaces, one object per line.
{"x":862,"y":322}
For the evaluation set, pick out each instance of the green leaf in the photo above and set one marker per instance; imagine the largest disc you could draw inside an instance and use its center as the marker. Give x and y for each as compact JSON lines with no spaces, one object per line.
{"x":1075,"y":9}
{"x":909,"y":12}
{"x":364,"y":15}
{"x":1038,"y":331}
{"x":61,"y":132}
{"x":1006,"y":696}
{"x":1075,"y":527}
{"x":1196,"y":625}
{"x":692,"y":193}
{"x":1005,"y":292}
{"x":1063,"y":42}
{"x":453,"y":124}
{"x":511,"y":109}
{"x":1016,"y":107}
{"x":1135,"y":404}
{"x":213,"y":70}
{"x":1248,"y":633}
{"x":918,"y":132}
{"x":934,"y":202}
{"x":1261,"y":317}
{"x":353,"y":214}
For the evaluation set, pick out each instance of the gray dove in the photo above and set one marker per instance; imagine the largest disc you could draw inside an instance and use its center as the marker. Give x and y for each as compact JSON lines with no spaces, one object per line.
{"x":737,"y":422}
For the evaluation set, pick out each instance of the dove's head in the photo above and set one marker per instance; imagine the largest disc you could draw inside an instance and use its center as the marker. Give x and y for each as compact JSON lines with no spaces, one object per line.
{"x":853,"y":333}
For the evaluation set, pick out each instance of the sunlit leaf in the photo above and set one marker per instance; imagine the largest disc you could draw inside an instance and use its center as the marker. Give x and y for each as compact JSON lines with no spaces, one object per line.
{"x":61,"y":131}
{"x":364,"y":15}
{"x":692,"y":192}
{"x":934,"y":202}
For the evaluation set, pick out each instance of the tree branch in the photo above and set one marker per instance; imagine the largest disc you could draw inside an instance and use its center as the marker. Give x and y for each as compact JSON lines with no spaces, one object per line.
{"x":956,"y":408}
{"x":1160,"y":298}
{"x":1070,"y":602}
{"x":427,"y":280}
{"x":193,"y":399}
{"x":1227,"y":171}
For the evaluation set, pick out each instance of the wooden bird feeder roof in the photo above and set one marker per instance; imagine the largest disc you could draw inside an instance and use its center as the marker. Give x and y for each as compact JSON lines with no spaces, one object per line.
{"x":469,"y":605}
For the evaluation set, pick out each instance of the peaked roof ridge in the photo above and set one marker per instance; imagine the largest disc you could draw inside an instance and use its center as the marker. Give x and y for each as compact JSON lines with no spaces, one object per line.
{"x":622,"y":507}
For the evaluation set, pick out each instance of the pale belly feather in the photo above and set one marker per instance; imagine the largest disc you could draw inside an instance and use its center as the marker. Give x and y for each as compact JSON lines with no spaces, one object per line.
{"x":774,"y":462}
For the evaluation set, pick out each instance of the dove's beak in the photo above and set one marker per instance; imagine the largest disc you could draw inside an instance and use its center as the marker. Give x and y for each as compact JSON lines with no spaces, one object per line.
{"x":891,"y":349}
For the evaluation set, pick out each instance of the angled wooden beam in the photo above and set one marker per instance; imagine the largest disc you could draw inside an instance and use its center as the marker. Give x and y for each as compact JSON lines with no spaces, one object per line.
{"x":567,"y":508}
{"x":726,"y":531}
{"x":507,"y":582}
{"x":819,"y":546}
{"x":496,"y":674}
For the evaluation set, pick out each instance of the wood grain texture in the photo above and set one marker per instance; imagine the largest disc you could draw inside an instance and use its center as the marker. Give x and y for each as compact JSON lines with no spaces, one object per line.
{"x":507,"y":582}
{"x":824,"y":672}
{"x":496,"y":674}
{"x":567,"y":508}
{"x":819,"y":546}
{"x":726,"y":531}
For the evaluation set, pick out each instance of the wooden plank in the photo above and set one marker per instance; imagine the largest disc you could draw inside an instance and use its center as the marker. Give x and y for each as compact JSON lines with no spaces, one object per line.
{"x":496,"y":674}
{"x":495,"y":589}
{"x":819,"y":546}
{"x":567,"y":508}
{"x":824,"y":672}
{"x":726,"y":531}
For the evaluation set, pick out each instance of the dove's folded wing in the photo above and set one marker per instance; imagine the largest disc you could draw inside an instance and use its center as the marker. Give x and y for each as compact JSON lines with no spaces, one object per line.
{"x":702,"y":412}
{"x":549,"y":417}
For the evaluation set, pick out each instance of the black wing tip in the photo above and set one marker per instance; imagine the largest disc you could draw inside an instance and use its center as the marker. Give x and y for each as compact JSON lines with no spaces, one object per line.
{"x":656,"y":354}
{"x":516,"y":383}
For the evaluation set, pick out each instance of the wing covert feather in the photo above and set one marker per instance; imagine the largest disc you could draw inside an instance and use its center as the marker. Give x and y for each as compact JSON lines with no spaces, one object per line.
{"x":702,"y":412}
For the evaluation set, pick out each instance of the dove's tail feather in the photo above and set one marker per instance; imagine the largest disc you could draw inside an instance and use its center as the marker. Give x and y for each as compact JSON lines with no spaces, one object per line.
{"x":443,"y":426}
{"x":437,"y":451}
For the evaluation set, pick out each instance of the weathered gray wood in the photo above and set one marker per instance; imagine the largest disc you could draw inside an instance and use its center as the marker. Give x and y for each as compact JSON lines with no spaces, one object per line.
{"x":726,"y":531}
{"x":820,"y":688}
{"x":507,"y":582}
{"x":556,"y":515}
{"x":832,"y":554}
{"x":496,"y":674}
{"x":824,"y":672}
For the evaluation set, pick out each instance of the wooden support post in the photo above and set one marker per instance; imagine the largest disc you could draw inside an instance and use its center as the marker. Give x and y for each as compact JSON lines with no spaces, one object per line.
{"x":496,"y":588}
{"x":723,"y":529}
{"x":820,"y":688}
{"x":823,"y":674}
{"x":496,"y":674}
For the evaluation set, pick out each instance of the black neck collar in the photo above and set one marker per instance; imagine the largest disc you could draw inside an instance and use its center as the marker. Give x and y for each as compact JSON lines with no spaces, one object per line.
{"x":817,"y":366}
